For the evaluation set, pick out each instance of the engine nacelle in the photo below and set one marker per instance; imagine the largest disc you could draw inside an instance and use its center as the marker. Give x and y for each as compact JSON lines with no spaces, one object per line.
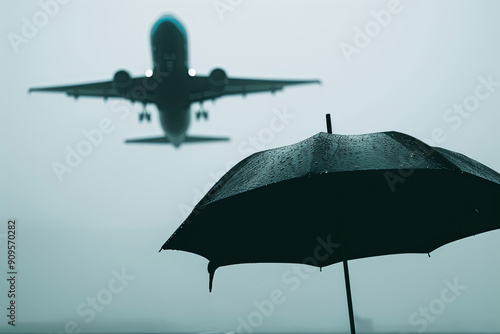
{"x":122,"y":81}
{"x":217,"y":79}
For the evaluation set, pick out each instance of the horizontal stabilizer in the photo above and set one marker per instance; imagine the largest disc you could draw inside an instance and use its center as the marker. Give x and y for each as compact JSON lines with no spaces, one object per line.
{"x":197,"y":139}
{"x":165,"y":140}
{"x":152,"y":140}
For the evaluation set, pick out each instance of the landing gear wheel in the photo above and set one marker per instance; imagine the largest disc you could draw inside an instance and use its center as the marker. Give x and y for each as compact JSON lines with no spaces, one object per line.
{"x":148,"y":116}
{"x":202,"y":113}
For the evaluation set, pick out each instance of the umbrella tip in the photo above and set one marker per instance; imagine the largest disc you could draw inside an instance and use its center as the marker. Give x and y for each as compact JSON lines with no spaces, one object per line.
{"x":429,"y":254}
{"x":328,"y":123}
{"x":211,"y":271}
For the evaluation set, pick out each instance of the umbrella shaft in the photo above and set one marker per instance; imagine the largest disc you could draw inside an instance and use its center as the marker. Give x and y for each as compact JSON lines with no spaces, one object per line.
{"x":349,"y":298}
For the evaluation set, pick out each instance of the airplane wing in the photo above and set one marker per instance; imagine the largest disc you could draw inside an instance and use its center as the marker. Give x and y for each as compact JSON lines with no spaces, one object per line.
{"x":133,"y":89}
{"x":202,"y":88}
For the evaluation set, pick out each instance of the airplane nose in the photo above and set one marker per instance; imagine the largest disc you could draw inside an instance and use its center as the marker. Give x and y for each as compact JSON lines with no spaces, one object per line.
{"x":167,"y":25}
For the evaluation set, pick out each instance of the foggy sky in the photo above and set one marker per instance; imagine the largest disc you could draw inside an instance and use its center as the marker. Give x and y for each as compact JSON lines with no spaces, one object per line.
{"x":96,"y":233}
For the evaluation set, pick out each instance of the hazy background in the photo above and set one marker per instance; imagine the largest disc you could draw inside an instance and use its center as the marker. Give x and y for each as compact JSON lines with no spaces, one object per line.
{"x":115,"y":210}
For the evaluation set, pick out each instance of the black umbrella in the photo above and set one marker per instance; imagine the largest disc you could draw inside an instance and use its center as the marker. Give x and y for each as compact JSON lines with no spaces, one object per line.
{"x":355,"y":196}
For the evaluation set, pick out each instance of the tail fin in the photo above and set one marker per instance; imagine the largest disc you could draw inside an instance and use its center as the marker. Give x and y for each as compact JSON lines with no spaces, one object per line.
{"x":165,"y":140}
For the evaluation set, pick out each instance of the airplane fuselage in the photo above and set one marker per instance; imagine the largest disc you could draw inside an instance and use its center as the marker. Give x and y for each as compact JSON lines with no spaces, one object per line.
{"x":170,"y":59}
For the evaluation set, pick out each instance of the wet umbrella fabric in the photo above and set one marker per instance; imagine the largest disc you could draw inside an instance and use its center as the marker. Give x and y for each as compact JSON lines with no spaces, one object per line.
{"x":373,"y":194}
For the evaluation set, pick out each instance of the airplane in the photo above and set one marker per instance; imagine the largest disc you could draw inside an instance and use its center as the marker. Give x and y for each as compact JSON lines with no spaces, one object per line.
{"x":172,"y":86}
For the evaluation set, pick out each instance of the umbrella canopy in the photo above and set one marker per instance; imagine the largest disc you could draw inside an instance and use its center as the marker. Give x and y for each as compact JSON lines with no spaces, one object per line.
{"x":373,"y":194}
{"x":381,"y":193}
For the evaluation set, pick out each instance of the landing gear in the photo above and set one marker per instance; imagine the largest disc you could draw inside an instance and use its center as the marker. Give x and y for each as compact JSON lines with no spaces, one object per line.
{"x":202,"y":113}
{"x":144,"y":114}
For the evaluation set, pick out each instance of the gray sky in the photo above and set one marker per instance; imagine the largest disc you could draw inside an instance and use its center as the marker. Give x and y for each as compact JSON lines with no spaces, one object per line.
{"x":110,"y":215}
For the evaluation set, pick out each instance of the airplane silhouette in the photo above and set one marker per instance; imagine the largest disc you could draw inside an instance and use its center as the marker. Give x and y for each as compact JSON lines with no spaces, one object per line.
{"x":172,"y":86}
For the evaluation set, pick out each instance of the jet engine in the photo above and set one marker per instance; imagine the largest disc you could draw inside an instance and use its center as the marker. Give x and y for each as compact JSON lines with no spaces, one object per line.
{"x":217,"y":80}
{"x":122,"y":81}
